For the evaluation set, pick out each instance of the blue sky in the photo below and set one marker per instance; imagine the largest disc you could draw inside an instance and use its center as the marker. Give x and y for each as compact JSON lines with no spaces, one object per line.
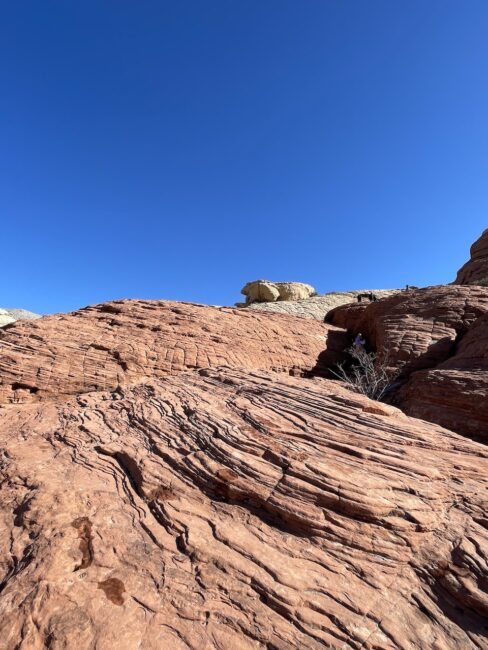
{"x":160,"y":149}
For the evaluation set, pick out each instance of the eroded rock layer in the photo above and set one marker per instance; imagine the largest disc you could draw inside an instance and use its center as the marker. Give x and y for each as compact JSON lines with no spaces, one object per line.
{"x":319,"y":306}
{"x":102,"y":346}
{"x":438,"y":336}
{"x":417,"y":328}
{"x":236,"y":509}
{"x":476,"y":268}
{"x":455,"y":393}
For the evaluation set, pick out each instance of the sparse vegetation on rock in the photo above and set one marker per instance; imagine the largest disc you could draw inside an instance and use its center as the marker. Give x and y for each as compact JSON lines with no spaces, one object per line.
{"x":364,"y":373}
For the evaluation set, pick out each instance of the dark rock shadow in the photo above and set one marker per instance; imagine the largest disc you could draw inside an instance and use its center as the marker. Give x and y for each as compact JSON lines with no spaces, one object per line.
{"x":335,"y":352}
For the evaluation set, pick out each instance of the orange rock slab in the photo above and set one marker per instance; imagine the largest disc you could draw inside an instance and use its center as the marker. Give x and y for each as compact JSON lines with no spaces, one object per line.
{"x":476,"y":268}
{"x":103,"y":346}
{"x":232,"y":508}
{"x":438,"y":338}
{"x":455,"y":392}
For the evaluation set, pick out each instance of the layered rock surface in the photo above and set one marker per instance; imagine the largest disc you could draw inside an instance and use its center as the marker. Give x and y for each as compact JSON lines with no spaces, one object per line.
{"x":455,"y":392}
{"x":102,"y":346}
{"x":317,"y":307}
{"x":238,"y":509}
{"x":152,"y":499}
{"x":476,"y":268}
{"x":416,"y":327}
{"x":442,"y":332}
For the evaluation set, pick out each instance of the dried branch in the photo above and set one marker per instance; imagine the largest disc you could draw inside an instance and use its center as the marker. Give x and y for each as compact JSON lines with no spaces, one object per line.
{"x":366,"y":374}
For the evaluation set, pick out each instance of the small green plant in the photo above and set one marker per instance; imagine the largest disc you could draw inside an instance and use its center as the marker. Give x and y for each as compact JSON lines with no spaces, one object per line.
{"x":366,"y":374}
{"x":482,"y":283}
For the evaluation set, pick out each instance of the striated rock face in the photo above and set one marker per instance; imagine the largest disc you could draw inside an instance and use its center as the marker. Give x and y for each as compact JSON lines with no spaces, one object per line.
{"x":238,"y":509}
{"x":455,"y":393}
{"x":441,"y":331}
{"x":265,"y":291}
{"x":8,"y":316}
{"x":476,"y":269}
{"x":151,"y":498}
{"x":102,"y":346}
{"x":418,"y":328}
{"x":319,"y":306}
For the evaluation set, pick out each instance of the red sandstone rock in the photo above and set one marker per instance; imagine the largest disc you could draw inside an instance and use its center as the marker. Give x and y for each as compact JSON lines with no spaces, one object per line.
{"x":102,"y":346}
{"x":476,"y":268}
{"x":455,"y":393}
{"x":441,"y":331}
{"x":416,"y":329}
{"x":143,"y":505}
{"x":238,"y":509}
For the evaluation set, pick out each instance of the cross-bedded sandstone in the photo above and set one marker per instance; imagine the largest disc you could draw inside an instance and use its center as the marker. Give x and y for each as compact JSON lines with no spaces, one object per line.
{"x":239,"y":509}
{"x":476,"y":268}
{"x":102,"y":346}
{"x":438,"y":337}
{"x":455,"y":392}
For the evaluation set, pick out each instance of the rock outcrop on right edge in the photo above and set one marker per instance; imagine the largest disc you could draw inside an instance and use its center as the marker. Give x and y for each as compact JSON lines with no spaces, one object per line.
{"x":438,"y":337}
{"x":415,"y":329}
{"x":476,"y":269}
{"x":455,"y":392}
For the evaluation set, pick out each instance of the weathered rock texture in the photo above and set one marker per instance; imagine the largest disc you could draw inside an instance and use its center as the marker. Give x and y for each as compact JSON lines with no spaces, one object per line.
{"x":266,"y":291}
{"x":318,"y":307}
{"x":476,"y":269}
{"x":455,"y":393}
{"x":416,"y":327}
{"x":8,"y":316}
{"x":235,"y":509}
{"x":102,"y":346}
{"x":435,"y":330}
{"x":152,"y":499}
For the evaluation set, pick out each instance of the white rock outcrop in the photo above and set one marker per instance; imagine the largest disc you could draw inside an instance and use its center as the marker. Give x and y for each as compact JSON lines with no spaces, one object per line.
{"x":8,"y":316}
{"x":317,"y":306}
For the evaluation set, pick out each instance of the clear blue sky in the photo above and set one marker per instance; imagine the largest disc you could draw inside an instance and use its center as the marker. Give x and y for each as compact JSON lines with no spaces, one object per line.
{"x":177,"y":149}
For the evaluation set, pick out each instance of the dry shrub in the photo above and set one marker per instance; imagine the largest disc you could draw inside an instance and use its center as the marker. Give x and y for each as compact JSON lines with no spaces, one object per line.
{"x":365,"y":373}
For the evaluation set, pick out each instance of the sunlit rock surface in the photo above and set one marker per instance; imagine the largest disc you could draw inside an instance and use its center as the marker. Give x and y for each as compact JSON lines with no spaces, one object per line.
{"x":238,"y":509}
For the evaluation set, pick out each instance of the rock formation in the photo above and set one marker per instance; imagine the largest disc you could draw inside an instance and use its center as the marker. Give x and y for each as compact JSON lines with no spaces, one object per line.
{"x":238,"y":509}
{"x":102,"y":346}
{"x":475,"y":271}
{"x":455,"y":392}
{"x":317,"y":307}
{"x":180,"y":476}
{"x":265,"y":291}
{"x":442,"y":331}
{"x":8,"y":316}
